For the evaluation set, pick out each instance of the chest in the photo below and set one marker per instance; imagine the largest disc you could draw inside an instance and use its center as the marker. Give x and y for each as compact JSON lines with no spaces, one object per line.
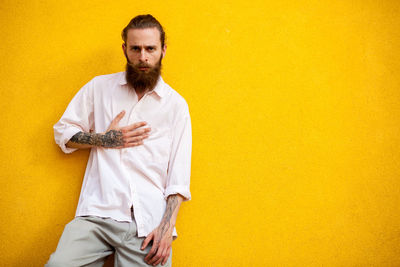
{"x":151,"y":108}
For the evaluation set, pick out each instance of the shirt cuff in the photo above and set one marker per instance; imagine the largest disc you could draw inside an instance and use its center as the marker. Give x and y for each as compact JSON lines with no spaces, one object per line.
{"x":67,"y":134}
{"x":178,"y":189}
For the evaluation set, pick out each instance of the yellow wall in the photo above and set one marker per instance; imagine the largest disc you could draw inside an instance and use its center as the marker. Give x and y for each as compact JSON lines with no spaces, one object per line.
{"x":295,"y":108}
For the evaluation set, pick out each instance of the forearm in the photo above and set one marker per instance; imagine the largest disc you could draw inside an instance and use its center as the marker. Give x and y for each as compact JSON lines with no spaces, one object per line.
{"x":112,"y":138}
{"x":171,"y":211}
{"x":71,"y":144}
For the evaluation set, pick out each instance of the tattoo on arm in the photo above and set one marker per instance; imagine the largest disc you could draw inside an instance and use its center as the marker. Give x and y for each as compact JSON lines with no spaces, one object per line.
{"x":172,"y":203}
{"x":112,"y":138}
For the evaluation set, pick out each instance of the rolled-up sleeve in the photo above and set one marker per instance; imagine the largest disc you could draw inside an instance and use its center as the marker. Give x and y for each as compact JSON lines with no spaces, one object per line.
{"x":78,"y":117}
{"x":178,"y":179}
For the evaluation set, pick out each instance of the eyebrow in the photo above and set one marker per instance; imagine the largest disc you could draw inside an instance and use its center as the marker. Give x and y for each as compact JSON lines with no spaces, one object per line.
{"x":145,"y":46}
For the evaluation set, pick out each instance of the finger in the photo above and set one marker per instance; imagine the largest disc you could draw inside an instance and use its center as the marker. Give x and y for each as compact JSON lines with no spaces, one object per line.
{"x":166,"y":257}
{"x":157,"y":256}
{"x":161,"y":253}
{"x":146,"y":241}
{"x":137,"y":132}
{"x":134,"y":133}
{"x":136,"y":138}
{"x":158,"y":261}
{"x":135,"y":126}
{"x":116,"y":120}
{"x":152,"y":251}
{"x":160,"y":256}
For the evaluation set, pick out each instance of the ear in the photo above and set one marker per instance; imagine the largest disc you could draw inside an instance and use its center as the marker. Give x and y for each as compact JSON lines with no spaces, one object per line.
{"x":164,"y":50}
{"x":124,"y":48}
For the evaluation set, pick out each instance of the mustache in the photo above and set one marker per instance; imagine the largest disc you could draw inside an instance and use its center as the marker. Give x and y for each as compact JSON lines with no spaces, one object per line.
{"x":140,"y":65}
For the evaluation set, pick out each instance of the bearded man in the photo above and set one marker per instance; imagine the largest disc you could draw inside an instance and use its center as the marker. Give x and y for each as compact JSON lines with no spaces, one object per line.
{"x":138,"y":173}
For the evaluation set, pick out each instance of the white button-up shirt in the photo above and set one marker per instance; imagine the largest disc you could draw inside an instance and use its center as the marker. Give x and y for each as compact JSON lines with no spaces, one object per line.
{"x":141,"y":176}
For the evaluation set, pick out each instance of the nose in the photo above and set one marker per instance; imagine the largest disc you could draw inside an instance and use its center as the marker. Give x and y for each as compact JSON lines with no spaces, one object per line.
{"x":143,"y":56}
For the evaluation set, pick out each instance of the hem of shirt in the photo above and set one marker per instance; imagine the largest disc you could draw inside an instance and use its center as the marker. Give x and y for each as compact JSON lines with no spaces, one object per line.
{"x":140,"y":230}
{"x":103,"y":215}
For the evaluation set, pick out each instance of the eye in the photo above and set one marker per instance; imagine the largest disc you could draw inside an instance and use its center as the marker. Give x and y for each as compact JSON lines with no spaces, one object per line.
{"x":150,"y":48}
{"x":135,"y":48}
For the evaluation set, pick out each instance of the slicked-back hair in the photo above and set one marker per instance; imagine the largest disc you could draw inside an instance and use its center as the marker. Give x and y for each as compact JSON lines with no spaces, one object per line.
{"x":144,"y":22}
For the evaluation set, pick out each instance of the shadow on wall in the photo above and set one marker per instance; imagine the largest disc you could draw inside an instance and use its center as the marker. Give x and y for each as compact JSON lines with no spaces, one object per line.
{"x":90,"y":66}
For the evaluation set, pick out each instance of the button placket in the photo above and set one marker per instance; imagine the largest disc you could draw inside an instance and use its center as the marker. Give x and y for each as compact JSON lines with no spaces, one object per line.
{"x":135,"y":107}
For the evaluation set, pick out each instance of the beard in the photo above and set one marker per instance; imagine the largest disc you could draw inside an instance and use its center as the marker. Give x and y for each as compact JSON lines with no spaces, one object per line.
{"x":141,"y":81}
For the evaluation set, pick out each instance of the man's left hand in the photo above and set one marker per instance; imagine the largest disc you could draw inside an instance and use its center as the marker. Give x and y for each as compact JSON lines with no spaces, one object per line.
{"x":162,"y":240}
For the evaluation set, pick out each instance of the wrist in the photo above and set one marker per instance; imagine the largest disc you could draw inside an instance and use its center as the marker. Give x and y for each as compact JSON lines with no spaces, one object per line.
{"x":110,"y":139}
{"x":98,"y":139}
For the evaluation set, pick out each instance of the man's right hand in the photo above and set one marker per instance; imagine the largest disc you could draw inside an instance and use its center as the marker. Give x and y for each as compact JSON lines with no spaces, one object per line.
{"x":114,"y":137}
{"x":122,"y":137}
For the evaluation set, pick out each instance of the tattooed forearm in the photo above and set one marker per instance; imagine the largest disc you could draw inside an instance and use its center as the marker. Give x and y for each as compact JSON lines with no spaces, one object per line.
{"x":112,"y":138}
{"x":172,"y":203}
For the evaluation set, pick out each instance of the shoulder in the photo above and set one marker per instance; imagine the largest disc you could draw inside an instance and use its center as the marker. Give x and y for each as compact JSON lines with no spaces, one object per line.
{"x":174,"y":97}
{"x":177,"y":104}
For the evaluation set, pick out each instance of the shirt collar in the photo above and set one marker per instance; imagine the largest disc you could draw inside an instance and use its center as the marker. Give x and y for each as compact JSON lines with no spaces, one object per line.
{"x":159,"y":89}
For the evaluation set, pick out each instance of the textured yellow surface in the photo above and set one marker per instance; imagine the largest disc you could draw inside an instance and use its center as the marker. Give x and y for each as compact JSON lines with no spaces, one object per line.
{"x":295,"y":108}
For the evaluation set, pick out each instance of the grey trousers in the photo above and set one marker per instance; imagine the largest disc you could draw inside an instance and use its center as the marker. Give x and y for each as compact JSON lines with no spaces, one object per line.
{"x":88,"y":240}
